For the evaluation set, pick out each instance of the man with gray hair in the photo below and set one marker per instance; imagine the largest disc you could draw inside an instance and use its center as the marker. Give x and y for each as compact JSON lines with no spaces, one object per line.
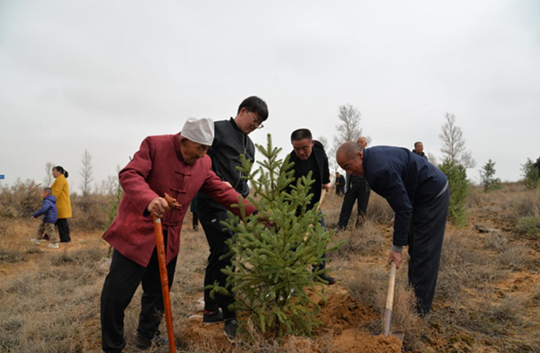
{"x":172,"y":164}
{"x":418,"y":193}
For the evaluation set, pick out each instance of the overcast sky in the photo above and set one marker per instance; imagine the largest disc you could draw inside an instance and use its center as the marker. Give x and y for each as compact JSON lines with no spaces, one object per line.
{"x":103,"y":74}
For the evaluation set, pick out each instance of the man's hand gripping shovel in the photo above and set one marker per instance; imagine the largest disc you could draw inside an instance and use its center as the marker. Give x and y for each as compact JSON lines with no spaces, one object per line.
{"x":162,"y":260}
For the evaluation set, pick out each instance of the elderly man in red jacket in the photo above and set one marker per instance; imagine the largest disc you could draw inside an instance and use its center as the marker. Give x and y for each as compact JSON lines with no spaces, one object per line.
{"x":173,"y":164}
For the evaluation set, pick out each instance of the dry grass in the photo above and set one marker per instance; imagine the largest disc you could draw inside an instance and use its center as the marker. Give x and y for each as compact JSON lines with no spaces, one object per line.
{"x":365,"y":241}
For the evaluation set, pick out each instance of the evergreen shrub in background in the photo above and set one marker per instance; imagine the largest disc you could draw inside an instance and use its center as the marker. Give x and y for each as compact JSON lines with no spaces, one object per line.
{"x":459,"y":190}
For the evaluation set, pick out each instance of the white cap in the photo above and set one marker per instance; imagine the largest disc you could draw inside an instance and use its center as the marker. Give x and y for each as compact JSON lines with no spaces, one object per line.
{"x":199,"y":131}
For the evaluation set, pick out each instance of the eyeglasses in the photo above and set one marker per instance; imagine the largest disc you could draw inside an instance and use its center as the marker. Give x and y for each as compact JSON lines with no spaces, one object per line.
{"x":257,"y":122}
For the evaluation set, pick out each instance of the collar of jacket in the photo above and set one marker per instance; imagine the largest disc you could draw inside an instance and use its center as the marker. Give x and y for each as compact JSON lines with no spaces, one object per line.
{"x":233,"y":123}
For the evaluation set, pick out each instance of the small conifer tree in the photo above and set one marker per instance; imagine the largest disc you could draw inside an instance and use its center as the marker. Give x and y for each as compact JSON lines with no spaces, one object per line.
{"x":530,"y":174}
{"x":459,"y":190}
{"x":272,"y":265}
{"x":487,"y":174}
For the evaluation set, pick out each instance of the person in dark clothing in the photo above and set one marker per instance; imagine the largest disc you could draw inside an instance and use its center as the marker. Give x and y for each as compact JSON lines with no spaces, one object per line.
{"x":357,"y":190}
{"x":419,"y":149}
{"x":340,"y":184}
{"x":230,"y":142}
{"x":194,"y":217}
{"x":537,"y":165}
{"x":418,"y":193}
{"x":309,"y":155}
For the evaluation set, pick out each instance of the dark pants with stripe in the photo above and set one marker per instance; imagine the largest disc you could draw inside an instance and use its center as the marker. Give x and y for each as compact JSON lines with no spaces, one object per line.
{"x":63,"y":230}
{"x":120,"y":285}
{"x":425,"y":246}
{"x":359,"y":191}
{"x":210,"y":215}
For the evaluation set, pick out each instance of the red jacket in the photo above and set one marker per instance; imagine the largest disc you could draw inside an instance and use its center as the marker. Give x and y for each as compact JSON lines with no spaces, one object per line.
{"x":158,"y":168}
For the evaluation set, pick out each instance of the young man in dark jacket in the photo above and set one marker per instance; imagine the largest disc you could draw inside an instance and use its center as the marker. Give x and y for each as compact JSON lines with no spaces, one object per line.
{"x":418,"y":193}
{"x":231,"y":140}
{"x":309,"y":155}
{"x":46,"y":228}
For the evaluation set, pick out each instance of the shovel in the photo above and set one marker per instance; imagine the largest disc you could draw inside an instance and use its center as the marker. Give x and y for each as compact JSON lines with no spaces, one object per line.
{"x":387,"y":319}
{"x":162,"y":260}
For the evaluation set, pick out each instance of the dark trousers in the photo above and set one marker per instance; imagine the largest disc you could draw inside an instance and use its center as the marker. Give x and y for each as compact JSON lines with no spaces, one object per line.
{"x":120,"y":285}
{"x":210,"y":216}
{"x":63,"y":230}
{"x":425,"y":247}
{"x":195,"y":221}
{"x":358,"y":191}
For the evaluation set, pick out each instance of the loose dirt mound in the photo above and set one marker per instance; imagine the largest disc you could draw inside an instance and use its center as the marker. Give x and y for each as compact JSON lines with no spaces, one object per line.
{"x":343,"y":320}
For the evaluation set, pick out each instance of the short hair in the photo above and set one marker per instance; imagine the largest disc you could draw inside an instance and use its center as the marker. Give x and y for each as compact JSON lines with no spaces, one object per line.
{"x":417,"y":142}
{"x":61,"y":170}
{"x":350,"y":149}
{"x":301,"y":134}
{"x":48,"y":191}
{"x":256,"y":105}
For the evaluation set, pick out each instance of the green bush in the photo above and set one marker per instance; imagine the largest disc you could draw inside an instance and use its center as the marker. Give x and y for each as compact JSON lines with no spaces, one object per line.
{"x":528,"y":226}
{"x":530,"y":174}
{"x":487,"y":174}
{"x":459,"y":190}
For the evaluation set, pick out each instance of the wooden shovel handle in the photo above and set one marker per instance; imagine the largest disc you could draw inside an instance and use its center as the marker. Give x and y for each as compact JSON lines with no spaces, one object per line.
{"x":389,"y":300}
{"x":162,"y":261}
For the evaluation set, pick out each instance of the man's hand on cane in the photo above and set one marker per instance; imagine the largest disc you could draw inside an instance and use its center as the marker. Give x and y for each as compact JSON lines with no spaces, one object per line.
{"x":158,"y":206}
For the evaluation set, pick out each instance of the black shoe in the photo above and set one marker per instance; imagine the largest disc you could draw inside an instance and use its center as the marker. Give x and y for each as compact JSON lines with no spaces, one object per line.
{"x":144,"y":343}
{"x":211,"y":317}
{"x":231,"y":326}
{"x":326,"y":279}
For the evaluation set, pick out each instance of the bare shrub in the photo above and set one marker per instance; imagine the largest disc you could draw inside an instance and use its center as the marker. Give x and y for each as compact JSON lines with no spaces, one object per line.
{"x":513,"y":256}
{"x":462,"y":267}
{"x":21,"y":199}
{"x":88,"y":257}
{"x":405,"y":317}
{"x":11,"y":256}
{"x":365,"y":241}
{"x":496,"y":319}
{"x":379,"y":210}
{"x":495,"y":241}
{"x":524,"y":204}
{"x":89,"y":212}
{"x":369,"y":286}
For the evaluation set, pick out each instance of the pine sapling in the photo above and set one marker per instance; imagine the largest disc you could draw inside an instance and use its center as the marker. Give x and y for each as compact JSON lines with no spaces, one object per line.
{"x":272,"y":265}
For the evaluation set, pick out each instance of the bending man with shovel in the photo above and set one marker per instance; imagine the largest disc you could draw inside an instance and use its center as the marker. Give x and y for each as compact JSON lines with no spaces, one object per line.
{"x":418,"y":193}
{"x":172,"y":164}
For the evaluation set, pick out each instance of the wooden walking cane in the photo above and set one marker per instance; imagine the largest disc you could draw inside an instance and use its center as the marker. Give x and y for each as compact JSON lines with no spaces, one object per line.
{"x":162,"y":260}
